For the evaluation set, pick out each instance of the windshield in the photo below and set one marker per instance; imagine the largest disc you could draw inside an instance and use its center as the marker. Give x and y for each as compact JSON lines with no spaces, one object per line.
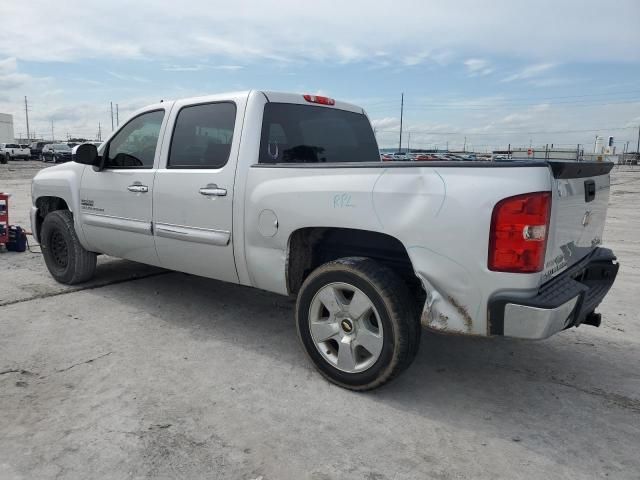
{"x":294,"y":133}
{"x":61,"y":146}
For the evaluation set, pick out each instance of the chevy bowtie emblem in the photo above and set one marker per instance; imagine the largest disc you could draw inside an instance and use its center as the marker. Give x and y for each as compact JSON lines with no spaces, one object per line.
{"x":586,"y":219}
{"x":347,"y":326}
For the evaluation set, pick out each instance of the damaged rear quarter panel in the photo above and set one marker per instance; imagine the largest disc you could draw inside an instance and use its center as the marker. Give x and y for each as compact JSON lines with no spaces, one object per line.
{"x":447,"y":237}
{"x":441,"y":215}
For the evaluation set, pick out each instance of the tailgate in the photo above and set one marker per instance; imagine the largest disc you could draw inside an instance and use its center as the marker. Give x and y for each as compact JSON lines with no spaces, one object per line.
{"x":578,"y":213}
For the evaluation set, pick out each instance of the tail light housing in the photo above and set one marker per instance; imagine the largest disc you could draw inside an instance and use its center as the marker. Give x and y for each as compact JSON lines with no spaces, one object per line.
{"x":519,"y":231}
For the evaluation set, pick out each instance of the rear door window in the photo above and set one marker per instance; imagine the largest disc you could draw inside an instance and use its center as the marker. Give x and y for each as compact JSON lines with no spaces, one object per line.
{"x":202,"y":136}
{"x":294,"y":133}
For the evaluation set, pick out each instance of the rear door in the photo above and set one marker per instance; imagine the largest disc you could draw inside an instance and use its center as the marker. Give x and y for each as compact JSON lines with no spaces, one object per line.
{"x":578,"y":213}
{"x":193,"y":190}
{"x":116,"y":203}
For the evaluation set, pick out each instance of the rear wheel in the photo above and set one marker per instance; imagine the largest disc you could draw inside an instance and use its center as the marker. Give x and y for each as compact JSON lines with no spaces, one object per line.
{"x":66,"y":259}
{"x":357,"y":323}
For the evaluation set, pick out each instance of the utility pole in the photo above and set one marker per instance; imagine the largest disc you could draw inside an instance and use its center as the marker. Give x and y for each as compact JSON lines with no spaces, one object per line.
{"x":401,"y":114}
{"x":638,"y":147}
{"x":117,"y":116}
{"x":52,"y":134}
{"x":111,"y":116}
{"x":464,"y":147}
{"x":26,"y":114}
{"x":99,"y":132}
{"x":408,"y":142}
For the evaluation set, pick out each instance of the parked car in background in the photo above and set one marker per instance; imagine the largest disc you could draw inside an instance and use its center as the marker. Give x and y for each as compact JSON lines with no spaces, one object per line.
{"x":56,"y":153}
{"x":425,"y":157}
{"x":13,"y":151}
{"x":36,"y":149}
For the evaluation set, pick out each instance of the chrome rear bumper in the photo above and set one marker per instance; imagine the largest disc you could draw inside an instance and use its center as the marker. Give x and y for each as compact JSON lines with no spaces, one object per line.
{"x":565,"y":301}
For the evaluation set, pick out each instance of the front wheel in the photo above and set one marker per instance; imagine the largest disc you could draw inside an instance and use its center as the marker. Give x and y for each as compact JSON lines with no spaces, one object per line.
{"x":357,"y":323}
{"x":66,"y":259}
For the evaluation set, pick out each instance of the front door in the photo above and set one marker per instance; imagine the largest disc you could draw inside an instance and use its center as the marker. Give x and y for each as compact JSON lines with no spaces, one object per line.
{"x":193,"y":192}
{"x":116,"y":203}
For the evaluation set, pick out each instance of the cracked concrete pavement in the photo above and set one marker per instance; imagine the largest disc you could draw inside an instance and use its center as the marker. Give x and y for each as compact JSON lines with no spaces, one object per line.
{"x":145,"y":373}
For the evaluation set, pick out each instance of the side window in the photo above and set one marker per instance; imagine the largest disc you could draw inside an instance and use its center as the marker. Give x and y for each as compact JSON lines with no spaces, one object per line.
{"x":202,"y":136}
{"x":135,"y":145}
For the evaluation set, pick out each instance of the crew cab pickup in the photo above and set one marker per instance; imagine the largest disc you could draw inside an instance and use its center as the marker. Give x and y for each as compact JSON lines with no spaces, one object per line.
{"x":13,"y":151}
{"x":287,"y":193}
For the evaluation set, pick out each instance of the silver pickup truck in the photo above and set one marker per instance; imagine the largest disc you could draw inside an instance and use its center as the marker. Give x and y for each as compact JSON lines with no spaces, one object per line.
{"x":287,"y":193}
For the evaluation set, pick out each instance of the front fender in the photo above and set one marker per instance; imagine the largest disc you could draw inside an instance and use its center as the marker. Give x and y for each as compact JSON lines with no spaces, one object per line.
{"x":61,"y":181}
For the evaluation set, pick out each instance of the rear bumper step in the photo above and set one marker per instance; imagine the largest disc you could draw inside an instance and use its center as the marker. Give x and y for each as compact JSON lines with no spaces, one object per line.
{"x":567,"y":300}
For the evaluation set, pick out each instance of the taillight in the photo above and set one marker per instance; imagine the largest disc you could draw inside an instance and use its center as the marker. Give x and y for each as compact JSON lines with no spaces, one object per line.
{"x":320,"y":100}
{"x":519,"y":230}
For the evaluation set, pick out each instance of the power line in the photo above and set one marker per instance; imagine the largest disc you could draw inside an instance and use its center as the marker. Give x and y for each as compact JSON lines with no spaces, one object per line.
{"x":523,"y":99}
{"x":512,"y":132}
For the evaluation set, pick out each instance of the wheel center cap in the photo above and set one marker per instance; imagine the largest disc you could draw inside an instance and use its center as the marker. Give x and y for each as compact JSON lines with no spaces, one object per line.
{"x":347,"y":325}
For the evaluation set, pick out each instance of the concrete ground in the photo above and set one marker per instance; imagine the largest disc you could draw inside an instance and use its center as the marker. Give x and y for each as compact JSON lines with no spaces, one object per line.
{"x":148,"y":374}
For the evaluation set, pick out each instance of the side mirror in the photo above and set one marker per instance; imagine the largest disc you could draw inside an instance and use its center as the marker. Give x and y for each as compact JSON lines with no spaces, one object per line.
{"x":87,"y":154}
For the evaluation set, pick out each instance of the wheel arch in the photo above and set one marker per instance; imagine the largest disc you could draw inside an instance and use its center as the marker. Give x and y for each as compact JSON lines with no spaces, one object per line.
{"x":45,"y":205}
{"x":310,"y":247}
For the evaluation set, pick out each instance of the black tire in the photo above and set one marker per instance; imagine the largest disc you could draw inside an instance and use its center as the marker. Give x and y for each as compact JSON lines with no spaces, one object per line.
{"x":3,"y":160}
{"x":7,"y":158}
{"x":67,"y":260}
{"x":390,"y":297}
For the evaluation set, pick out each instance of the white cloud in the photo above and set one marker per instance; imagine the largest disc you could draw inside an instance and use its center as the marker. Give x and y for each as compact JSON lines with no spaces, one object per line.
{"x":343,"y":31}
{"x":478,"y":67}
{"x":182,"y":68}
{"x":10,"y":78}
{"x":127,"y":78}
{"x":529,"y":72}
{"x":387,"y":123}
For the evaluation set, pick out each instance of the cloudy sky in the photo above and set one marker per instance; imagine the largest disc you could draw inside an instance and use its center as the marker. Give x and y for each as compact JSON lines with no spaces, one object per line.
{"x":495,"y":72}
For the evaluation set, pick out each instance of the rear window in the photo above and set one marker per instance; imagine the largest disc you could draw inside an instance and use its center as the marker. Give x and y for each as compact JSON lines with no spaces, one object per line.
{"x":308,"y":134}
{"x":12,"y":145}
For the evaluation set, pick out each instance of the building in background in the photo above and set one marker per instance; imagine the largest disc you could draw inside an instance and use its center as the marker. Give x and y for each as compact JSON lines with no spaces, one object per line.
{"x":6,"y":128}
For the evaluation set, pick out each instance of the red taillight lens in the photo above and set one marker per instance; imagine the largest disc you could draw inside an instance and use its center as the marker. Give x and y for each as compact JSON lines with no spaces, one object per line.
{"x":519,"y":229}
{"x":320,"y":100}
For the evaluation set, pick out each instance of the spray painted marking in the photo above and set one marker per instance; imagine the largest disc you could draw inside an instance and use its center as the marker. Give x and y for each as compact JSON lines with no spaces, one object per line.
{"x":342,"y":200}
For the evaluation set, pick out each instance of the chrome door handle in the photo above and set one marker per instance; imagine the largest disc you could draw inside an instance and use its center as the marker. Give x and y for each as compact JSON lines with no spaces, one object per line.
{"x":212,"y":190}
{"x":138,"y":188}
